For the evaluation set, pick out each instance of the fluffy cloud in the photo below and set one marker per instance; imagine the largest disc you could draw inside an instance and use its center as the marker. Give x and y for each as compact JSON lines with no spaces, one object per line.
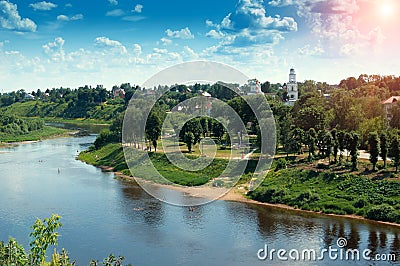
{"x":137,"y":49}
{"x":281,"y":2}
{"x":10,"y":18}
{"x":165,"y":41}
{"x":250,"y":25}
{"x":308,"y":50}
{"x":115,"y":13}
{"x":66,"y":18}
{"x":215,"y":34}
{"x":107,"y":43}
{"x":44,"y":6}
{"x":113,"y":2}
{"x":138,"y":8}
{"x":55,"y":49}
{"x":180,"y":34}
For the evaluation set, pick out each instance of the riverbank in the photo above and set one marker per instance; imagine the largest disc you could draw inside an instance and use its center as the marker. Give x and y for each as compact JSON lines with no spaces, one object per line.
{"x":78,"y":121}
{"x":332,"y":190}
{"x":46,"y":132}
{"x":237,"y":194}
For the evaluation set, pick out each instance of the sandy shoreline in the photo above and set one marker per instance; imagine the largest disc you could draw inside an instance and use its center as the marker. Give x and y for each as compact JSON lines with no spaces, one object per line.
{"x":236,"y":194}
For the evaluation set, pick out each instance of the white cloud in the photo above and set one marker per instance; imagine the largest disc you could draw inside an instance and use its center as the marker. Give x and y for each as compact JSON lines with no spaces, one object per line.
{"x":113,"y":2}
{"x":189,"y":54}
{"x":215,"y":34}
{"x":138,"y":8}
{"x":180,"y":34}
{"x":115,"y":13}
{"x":308,"y":50}
{"x":165,"y":41}
{"x":281,"y":2}
{"x":10,"y":18}
{"x":133,"y":18}
{"x":55,"y":49}
{"x":137,"y":49}
{"x":114,"y":45}
{"x":44,"y":6}
{"x":66,"y":18}
{"x":250,"y":25}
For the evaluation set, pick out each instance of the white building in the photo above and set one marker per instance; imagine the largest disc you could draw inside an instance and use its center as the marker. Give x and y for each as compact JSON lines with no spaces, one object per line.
{"x":254,"y":86}
{"x":292,"y":88}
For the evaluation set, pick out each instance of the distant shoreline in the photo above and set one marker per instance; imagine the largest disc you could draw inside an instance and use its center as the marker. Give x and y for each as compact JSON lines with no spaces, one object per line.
{"x":66,"y":133}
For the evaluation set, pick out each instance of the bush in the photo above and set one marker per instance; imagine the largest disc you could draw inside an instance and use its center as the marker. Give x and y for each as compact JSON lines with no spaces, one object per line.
{"x":382,"y":212}
{"x":307,"y":197}
{"x":360,"y":203}
{"x":271,"y":195}
{"x":280,"y":164}
{"x":218,"y":183}
{"x":105,"y":137}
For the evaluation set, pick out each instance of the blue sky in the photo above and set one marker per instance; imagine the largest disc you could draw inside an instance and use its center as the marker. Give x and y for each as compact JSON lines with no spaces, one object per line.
{"x":70,"y":43}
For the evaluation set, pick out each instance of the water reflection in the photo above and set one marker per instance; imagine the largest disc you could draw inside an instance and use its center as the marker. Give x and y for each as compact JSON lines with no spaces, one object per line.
{"x":103,"y":215}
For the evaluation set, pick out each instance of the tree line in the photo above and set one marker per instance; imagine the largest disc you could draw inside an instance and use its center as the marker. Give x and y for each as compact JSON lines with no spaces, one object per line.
{"x":13,"y":125}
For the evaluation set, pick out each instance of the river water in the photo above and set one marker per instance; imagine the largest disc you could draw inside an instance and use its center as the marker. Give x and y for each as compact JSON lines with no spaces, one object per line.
{"x":102,"y":215}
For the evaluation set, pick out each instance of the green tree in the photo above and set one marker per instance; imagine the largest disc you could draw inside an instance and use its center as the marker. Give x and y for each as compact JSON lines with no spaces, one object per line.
{"x":153,"y":128}
{"x":265,"y":87}
{"x":374,"y":148}
{"x":335,"y":145}
{"x":311,"y":138}
{"x":295,"y":140}
{"x":395,"y":151}
{"x":354,"y":150}
{"x":311,"y":117}
{"x":328,"y":139}
{"x":44,"y":234}
{"x":189,"y":140}
{"x":384,"y":148}
{"x":218,"y":130}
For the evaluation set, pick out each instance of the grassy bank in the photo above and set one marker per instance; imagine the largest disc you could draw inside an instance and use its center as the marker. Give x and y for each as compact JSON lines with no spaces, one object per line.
{"x":43,"y":133}
{"x":330,"y":192}
{"x":112,"y":155}
{"x":77,"y":121}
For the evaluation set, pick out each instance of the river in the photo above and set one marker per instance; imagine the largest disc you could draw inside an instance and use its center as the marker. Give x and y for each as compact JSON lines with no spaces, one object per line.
{"x":102,"y":215}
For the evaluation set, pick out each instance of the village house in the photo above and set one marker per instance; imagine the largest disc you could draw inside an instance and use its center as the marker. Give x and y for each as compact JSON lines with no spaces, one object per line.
{"x":388,"y":104}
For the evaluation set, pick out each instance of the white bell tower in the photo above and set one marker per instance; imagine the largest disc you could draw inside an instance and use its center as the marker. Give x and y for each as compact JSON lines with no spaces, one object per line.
{"x":292,"y":88}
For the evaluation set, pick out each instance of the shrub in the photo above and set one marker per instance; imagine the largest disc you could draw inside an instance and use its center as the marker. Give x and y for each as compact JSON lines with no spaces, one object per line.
{"x":360,"y":203}
{"x":280,"y":164}
{"x":382,"y":212}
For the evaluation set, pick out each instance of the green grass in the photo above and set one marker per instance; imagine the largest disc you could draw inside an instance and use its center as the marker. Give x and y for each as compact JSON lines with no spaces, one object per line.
{"x":112,"y":155}
{"x":329,"y":192}
{"x":45,"y":132}
{"x":77,"y":121}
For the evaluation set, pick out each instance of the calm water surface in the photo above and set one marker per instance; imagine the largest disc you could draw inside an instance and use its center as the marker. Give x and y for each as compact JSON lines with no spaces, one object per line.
{"x":101,"y":215}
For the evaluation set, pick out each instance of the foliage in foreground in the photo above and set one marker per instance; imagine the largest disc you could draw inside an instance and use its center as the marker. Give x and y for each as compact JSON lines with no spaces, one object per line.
{"x":44,"y":235}
{"x":332,"y":193}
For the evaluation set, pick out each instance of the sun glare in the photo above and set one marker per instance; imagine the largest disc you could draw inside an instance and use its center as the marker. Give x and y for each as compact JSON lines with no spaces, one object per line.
{"x":386,"y":9}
